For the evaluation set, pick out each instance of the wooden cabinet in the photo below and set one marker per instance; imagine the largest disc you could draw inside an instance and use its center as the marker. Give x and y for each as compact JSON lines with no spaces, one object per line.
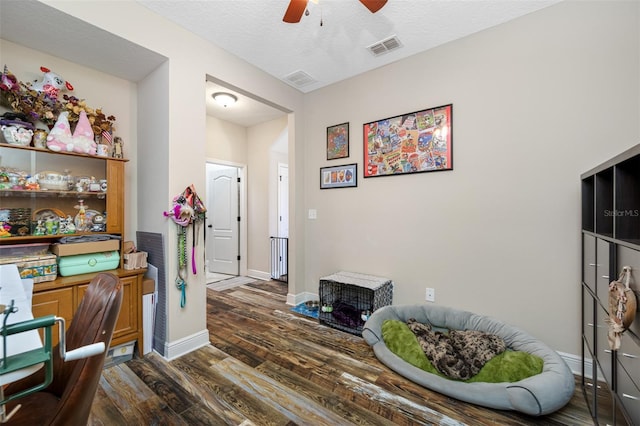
{"x":610,"y":240}
{"x":59,"y":302}
{"x":62,"y":296}
{"x":129,"y":323}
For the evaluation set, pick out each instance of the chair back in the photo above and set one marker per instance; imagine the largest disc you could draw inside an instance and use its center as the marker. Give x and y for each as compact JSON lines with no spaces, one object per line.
{"x":76,"y":382}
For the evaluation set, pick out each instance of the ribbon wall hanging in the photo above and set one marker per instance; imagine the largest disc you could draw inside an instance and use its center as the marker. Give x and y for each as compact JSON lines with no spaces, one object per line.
{"x":187,"y":209}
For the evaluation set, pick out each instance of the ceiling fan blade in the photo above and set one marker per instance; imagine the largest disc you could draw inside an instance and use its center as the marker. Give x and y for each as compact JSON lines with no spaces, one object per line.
{"x":373,"y":5}
{"x":294,"y":11}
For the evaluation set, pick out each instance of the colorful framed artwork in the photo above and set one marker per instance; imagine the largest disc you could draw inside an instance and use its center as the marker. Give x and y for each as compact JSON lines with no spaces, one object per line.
{"x":417,"y":142}
{"x":345,"y":176}
{"x":338,"y":141}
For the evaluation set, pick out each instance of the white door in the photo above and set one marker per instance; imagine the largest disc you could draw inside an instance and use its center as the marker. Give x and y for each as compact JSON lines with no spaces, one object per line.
{"x":222,"y":224}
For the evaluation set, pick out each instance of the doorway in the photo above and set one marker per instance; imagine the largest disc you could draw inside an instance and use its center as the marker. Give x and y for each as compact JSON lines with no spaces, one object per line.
{"x":223,"y":219}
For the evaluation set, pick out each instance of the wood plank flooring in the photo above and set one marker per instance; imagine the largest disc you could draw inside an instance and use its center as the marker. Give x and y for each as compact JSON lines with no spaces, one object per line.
{"x":267,"y":365}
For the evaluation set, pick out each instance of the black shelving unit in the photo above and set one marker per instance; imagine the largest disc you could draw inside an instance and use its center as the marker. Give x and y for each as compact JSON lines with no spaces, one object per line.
{"x":610,"y":240}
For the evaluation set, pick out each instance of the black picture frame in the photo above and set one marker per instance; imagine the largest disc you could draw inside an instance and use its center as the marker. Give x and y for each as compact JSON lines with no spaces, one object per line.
{"x":416,"y":142}
{"x":338,"y":141}
{"x":344,"y":176}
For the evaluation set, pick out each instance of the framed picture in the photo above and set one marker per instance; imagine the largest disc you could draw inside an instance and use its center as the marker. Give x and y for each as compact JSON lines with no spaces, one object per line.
{"x":345,"y":176}
{"x":338,"y":141}
{"x":416,"y":142}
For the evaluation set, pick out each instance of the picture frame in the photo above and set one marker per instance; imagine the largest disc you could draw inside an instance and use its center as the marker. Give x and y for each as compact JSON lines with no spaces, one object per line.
{"x":416,"y":142}
{"x":344,"y":176}
{"x":338,"y":141}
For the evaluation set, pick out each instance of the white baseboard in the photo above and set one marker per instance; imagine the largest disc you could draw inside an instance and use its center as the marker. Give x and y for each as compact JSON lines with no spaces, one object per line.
{"x":296,"y":299}
{"x":575,"y":363}
{"x":259,"y":275}
{"x":185,"y":345}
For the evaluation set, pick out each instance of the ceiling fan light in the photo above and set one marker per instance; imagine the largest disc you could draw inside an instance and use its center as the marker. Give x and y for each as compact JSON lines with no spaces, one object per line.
{"x":224,"y":99}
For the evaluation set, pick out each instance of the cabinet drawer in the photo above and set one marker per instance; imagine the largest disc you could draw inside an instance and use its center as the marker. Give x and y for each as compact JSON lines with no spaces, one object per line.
{"x":603,"y":352}
{"x":589,"y":261}
{"x":629,"y":395}
{"x":588,"y":320}
{"x":602,"y":272}
{"x":630,"y":257}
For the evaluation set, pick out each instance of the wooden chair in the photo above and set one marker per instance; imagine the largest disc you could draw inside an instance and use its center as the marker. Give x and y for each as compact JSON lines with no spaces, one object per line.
{"x":67,"y":400}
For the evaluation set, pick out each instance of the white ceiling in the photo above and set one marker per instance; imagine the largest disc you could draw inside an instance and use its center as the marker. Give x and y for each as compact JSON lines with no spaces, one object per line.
{"x":253,"y":30}
{"x":336,"y":50}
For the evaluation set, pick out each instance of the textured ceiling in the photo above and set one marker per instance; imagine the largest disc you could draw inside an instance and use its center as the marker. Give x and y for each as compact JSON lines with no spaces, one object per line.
{"x":253,"y":30}
{"x":337,"y":49}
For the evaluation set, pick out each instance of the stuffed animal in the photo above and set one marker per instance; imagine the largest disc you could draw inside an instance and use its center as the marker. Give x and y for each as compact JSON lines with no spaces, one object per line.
{"x":8,"y":81}
{"x":60,"y":138}
{"x":83,"y":141}
{"x":51,"y":83}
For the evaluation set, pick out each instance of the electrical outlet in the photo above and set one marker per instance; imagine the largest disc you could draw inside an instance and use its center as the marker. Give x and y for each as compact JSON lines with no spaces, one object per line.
{"x":430,"y":295}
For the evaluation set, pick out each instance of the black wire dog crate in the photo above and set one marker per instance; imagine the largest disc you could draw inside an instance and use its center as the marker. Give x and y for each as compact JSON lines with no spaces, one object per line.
{"x":347,"y":299}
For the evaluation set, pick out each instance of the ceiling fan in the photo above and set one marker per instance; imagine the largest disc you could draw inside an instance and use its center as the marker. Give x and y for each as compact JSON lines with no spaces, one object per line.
{"x":297,"y":7}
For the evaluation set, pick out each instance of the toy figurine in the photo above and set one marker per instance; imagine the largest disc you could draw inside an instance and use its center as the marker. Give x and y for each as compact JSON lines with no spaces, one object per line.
{"x":5,"y":230}
{"x":117,"y":147}
{"x":50,"y":227}
{"x":40,"y":229}
{"x":82,"y":216}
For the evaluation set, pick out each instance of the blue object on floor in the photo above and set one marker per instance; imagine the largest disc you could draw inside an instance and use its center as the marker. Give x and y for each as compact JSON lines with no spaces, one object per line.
{"x":307,"y":312}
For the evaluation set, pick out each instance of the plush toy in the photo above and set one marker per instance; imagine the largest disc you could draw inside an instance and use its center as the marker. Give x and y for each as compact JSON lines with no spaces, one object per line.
{"x":8,"y":81}
{"x":83,"y":141}
{"x":60,"y":138}
{"x":51,"y":83}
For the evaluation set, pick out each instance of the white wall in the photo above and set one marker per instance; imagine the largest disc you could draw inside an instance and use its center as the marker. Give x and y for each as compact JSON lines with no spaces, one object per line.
{"x":536,"y":102}
{"x":226,"y":141}
{"x":262,"y":191}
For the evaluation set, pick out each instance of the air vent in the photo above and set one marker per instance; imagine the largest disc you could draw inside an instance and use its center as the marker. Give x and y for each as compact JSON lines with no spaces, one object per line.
{"x":299,"y":79}
{"x":385,"y":46}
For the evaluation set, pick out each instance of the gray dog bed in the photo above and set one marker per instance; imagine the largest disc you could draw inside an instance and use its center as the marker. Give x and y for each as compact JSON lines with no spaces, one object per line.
{"x":537,"y":395}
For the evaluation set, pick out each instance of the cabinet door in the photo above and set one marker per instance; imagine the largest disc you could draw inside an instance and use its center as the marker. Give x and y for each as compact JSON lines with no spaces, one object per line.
{"x":115,"y":196}
{"x":588,"y":320}
{"x":628,"y":376}
{"x":54,"y":302}
{"x":589,"y":261}
{"x":603,"y":351}
{"x":609,"y":412}
{"x":603,"y":277}
{"x":127,"y":322}
{"x":588,"y":381}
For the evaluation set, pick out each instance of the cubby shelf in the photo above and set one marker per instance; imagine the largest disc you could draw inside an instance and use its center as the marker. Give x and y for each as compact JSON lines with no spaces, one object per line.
{"x":610,"y":240}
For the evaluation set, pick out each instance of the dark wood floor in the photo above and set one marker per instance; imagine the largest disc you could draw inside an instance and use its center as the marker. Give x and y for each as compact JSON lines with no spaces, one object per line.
{"x":269,"y":366}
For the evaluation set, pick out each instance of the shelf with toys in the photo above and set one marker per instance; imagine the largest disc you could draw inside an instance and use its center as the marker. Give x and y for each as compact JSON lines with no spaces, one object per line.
{"x":47,"y":195}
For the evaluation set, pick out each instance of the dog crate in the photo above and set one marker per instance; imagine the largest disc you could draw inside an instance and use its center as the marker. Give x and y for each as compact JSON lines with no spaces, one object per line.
{"x":347,"y":299}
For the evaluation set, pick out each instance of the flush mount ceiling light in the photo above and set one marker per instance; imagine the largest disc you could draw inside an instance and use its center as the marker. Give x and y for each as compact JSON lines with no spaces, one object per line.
{"x":224,"y":99}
